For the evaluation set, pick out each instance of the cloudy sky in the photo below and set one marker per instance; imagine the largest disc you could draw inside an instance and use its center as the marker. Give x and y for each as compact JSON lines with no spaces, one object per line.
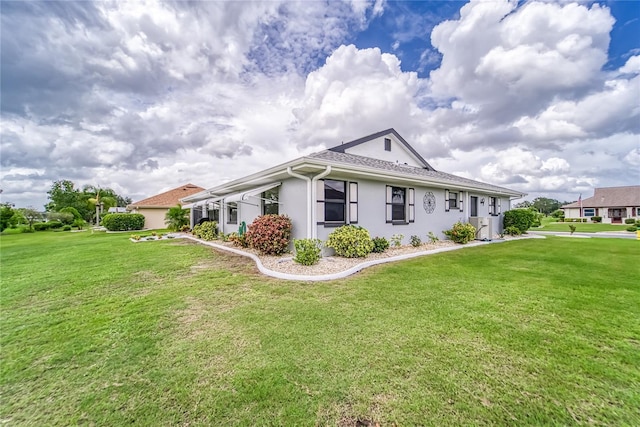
{"x":142,"y":97}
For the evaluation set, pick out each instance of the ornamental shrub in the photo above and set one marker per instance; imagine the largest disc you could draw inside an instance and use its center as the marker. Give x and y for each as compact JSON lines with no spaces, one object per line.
{"x":632,"y":228}
{"x":521,"y":218}
{"x":630,"y":221}
{"x":350,"y":241}
{"x":596,"y":218}
{"x":55,"y":224}
{"x":380,"y":244}
{"x":66,"y":228}
{"x":432,"y":237}
{"x":307,"y":251}
{"x":123,"y":221}
{"x":270,"y":234}
{"x":461,"y":232}
{"x":558,"y":213}
{"x":41,"y":226}
{"x":239,"y":240}
{"x":396,"y":240}
{"x":512,"y":231}
{"x":208,"y":230}
{"x":415,"y":241}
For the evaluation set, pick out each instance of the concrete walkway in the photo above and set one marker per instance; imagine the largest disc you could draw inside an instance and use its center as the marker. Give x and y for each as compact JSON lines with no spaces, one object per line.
{"x":348,"y":272}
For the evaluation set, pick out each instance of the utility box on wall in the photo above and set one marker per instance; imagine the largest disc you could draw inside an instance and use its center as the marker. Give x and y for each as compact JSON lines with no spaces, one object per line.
{"x":484,"y":229}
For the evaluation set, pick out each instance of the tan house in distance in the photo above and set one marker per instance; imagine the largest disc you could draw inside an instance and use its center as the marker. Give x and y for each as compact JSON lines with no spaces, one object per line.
{"x":155,"y":208}
{"x":613,"y":204}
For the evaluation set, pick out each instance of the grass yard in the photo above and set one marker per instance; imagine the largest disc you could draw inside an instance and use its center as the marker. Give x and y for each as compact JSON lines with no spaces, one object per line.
{"x":100,"y":331}
{"x":548,"y":224}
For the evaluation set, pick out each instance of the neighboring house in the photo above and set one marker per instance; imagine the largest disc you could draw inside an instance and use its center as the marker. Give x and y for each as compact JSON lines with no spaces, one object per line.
{"x":117,"y":209}
{"x":378,"y":182}
{"x":155,"y":208}
{"x":613,"y":204}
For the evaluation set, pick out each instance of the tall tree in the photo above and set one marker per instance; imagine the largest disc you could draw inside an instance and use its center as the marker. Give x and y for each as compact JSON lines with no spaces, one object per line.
{"x":100,"y":200}
{"x":545,"y":205}
{"x":63,"y":193}
{"x":31,"y":215}
{"x":6,"y":213}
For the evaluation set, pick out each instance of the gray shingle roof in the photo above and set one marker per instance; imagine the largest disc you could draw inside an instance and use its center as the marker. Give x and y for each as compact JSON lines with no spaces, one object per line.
{"x":628,"y":196}
{"x":420,"y":174}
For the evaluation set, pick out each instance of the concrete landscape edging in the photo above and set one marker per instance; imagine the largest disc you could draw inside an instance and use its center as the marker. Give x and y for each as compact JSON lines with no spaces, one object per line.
{"x":345,"y":273}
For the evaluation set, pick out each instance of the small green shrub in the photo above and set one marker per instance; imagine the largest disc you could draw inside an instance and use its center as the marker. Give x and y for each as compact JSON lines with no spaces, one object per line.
{"x":462,"y":232}
{"x":396,"y":240}
{"x":630,"y":221}
{"x":208,"y":230}
{"x":512,"y":231}
{"x":55,"y":224}
{"x":185,"y":228}
{"x":269,"y":234}
{"x":521,"y":218}
{"x":632,"y":228}
{"x":350,"y":241}
{"x":41,"y":226}
{"x":596,"y":218}
{"x":432,"y":237}
{"x":66,"y":228}
{"x":558,"y":213}
{"x":380,"y":244}
{"x":415,"y":241}
{"x":239,"y":240}
{"x":123,"y":221}
{"x":572,"y":228}
{"x":79,"y":223}
{"x":307,"y":251}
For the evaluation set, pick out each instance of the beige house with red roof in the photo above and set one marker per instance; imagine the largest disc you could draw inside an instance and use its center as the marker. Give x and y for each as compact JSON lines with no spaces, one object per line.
{"x":613,"y":204}
{"x":155,"y":208}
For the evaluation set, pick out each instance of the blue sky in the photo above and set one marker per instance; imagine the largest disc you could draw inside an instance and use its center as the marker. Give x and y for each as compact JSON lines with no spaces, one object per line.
{"x":145,"y":96}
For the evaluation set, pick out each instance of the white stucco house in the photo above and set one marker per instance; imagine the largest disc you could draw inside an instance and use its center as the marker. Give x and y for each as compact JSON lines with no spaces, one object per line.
{"x":612,"y":204}
{"x":379,"y":182}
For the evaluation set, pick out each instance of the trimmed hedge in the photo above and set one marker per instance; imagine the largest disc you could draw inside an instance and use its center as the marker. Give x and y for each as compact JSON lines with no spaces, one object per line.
{"x":270,"y":234}
{"x":350,"y":241}
{"x":520,"y":218}
{"x":123,"y":221}
{"x":630,"y":221}
{"x":596,"y":219}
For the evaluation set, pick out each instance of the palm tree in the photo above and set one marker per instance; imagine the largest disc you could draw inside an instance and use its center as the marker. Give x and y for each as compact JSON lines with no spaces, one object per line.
{"x":100,"y":202}
{"x":176,"y":218}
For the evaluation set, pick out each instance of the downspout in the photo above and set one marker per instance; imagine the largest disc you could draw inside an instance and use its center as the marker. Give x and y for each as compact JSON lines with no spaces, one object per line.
{"x":309,"y":202}
{"x":312,"y":231}
{"x":314,"y":197}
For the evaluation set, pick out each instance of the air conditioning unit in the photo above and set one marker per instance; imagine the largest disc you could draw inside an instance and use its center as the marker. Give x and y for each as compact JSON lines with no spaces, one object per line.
{"x":483,"y":225}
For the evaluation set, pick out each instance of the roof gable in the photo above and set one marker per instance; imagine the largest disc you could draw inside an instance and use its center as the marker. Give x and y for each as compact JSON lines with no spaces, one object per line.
{"x":386,"y":145}
{"x":610,"y":197}
{"x":168,"y":198}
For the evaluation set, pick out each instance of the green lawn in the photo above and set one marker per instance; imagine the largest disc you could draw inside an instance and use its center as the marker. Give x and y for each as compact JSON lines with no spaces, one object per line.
{"x":548,"y":224}
{"x":100,"y":331}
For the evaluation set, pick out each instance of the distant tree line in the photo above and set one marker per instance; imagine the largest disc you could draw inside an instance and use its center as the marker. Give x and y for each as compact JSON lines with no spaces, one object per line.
{"x":89,"y":202}
{"x":543,"y":205}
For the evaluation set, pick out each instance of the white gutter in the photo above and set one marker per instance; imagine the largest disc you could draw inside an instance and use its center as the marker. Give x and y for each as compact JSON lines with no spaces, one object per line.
{"x":311,"y":196}
{"x":309,"y":200}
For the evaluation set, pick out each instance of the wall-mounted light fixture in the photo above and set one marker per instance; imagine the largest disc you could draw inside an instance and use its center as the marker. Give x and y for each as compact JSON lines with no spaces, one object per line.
{"x":482,"y":201}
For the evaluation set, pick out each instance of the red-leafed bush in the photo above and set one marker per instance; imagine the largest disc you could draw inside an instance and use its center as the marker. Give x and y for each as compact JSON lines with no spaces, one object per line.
{"x":270,"y":234}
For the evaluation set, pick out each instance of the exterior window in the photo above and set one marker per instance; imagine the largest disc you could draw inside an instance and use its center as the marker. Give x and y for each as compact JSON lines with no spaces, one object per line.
{"x":453,"y":200}
{"x":270,"y":202}
{"x":232,"y":214}
{"x":334,"y":201}
{"x":400,"y":205}
{"x":387,"y":144}
{"x":493,"y":206}
{"x":589,"y":212}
